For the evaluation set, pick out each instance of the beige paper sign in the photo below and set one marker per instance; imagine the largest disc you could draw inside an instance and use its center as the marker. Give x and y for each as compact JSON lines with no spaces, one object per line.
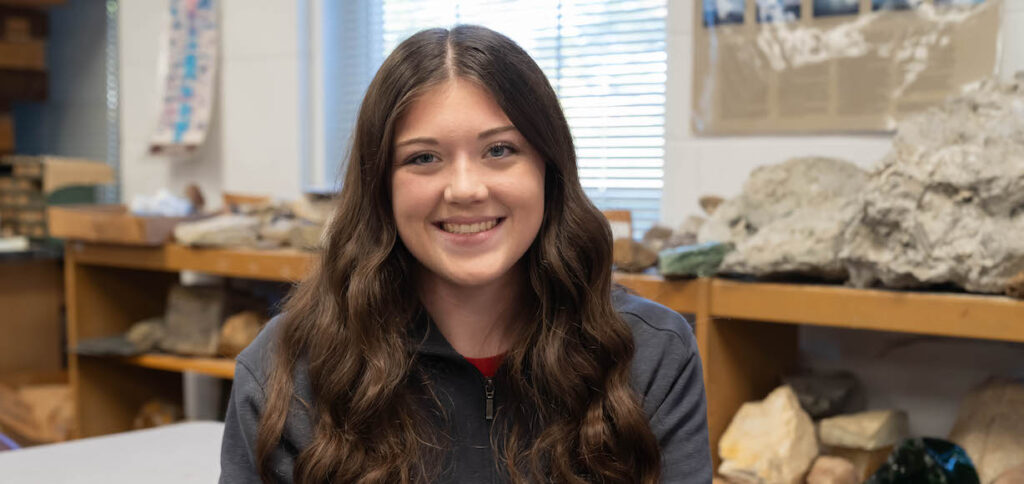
{"x":792,"y":66}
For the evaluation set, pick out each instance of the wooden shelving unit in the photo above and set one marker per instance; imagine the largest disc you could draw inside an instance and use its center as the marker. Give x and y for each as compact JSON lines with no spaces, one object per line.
{"x":110,"y":287}
{"x":746,"y":332}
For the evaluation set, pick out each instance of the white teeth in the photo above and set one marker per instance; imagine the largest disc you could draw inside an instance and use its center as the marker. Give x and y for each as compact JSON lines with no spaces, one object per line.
{"x":469,"y":228}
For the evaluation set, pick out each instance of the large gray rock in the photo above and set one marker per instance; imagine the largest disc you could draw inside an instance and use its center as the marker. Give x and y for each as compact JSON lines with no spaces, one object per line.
{"x":789,"y":219}
{"x":193,"y":319}
{"x":946,"y":205}
{"x":770,"y":441}
{"x":990,"y":428}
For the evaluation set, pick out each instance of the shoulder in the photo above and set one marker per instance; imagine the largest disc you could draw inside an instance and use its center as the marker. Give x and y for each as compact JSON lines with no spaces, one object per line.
{"x":654,"y":325}
{"x":254,"y":362}
{"x":664,"y":342}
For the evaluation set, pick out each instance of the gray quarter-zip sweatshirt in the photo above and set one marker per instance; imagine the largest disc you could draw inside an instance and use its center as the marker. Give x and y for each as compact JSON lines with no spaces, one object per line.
{"x":666,"y":374}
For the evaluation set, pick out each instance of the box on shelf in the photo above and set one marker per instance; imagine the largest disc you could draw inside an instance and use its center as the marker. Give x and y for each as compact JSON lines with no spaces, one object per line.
{"x":28,"y":184}
{"x":28,"y":55}
{"x":6,"y":132}
{"x":110,"y":223}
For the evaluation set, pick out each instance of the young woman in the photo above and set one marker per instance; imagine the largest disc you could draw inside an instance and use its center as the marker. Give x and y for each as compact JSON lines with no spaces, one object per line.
{"x":461,"y":324}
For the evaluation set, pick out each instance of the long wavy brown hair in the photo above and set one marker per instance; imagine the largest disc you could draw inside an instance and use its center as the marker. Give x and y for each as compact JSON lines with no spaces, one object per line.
{"x":570,"y":415}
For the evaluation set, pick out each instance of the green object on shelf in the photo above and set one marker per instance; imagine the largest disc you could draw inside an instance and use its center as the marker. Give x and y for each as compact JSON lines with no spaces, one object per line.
{"x":926,"y":461}
{"x":699,"y":260}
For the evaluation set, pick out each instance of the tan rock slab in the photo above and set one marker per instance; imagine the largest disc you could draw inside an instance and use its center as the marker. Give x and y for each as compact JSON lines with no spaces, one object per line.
{"x":869,"y":430}
{"x":990,"y":428}
{"x":771,"y":441}
{"x":865,"y":462}
{"x":829,"y":469}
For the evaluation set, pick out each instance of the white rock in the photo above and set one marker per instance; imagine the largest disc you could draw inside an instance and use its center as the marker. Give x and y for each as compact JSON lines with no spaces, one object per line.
{"x":990,"y":428}
{"x":865,"y":430}
{"x":946,"y":205}
{"x":220,"y":231}
{"x":789,"y":218}
{"x":769,"y":441}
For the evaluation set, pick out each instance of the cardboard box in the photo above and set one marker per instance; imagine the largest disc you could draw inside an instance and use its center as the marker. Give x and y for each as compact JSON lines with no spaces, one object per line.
{"x":56,"y":172}
{"x":110,"y":224}
{"x":28,"y":55}
{"x":6,"y":133}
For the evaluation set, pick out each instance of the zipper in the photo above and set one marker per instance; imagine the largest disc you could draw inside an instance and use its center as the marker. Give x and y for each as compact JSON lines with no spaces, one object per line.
{"x":489,"y":398}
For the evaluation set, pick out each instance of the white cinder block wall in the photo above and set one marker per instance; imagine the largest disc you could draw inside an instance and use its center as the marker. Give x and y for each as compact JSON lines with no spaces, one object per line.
{"x":255,"y":146}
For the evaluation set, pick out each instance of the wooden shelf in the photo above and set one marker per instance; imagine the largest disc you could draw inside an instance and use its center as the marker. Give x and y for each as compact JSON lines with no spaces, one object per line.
{"x":680,"y":295}
{"x":746,"y":331}
{"x":218,"y":367}
{"x":276,"y":265}
{"x":942,"y":314}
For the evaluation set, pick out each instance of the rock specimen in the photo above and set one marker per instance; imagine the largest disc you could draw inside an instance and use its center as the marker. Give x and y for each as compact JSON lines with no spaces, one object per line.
{"x":865,"y":462}
{"x":276,"y":232}
{"x":220,"y":231}
{"x":946,"y":205}
{"x":146,"y":335}
{"x":700,"y":260}
{"x":631,"y":256}
{"x":789,"y":219}
{"x":193,"y":316}
{"x":656,"y":238}
{"x":238,"y":331}
{"x":990,"y":427}
{"x":832,"y":470}
{"x":926,"y":461}
{"x":1011,"y":476}
{"x":686,"y":233}
{"x":771,"y":440}
{"x":107,"y":346}
{"x":826,"y":395}
{"x":710,"y":203}
{"x":306,"y":236}
{"x":865,"y":430}
{"x":157,"y":412}
{"x":1015,"y":288}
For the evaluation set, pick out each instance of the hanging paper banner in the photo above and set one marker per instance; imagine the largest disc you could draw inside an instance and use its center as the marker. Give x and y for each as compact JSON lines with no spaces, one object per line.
{"x":190,"y":73}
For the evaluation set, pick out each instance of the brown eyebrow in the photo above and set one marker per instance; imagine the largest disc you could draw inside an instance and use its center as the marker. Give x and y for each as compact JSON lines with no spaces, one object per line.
{"x":432,"y":141}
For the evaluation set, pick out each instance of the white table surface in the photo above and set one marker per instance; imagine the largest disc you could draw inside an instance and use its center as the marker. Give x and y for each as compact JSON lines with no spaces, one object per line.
{"x":179,"y":453}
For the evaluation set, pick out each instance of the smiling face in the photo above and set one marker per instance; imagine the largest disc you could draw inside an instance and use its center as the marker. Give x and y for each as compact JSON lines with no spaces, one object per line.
{"x":467,"y":189}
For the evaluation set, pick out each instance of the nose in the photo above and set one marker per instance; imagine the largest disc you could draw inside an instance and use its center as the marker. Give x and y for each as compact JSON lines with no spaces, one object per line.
{"x":466,"y":183}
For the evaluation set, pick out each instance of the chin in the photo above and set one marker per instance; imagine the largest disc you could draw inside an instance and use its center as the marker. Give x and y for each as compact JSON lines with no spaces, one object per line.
{"x":473,"y":276}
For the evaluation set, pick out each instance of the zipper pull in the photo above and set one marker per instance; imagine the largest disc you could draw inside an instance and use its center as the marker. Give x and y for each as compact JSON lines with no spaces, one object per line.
{"x":489,"y":394}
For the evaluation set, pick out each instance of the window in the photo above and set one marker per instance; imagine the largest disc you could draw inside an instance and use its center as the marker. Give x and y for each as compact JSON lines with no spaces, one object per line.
{"x":605,"y":59}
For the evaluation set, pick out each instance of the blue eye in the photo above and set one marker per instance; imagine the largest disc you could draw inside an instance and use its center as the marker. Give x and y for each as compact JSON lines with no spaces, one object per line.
{"x":422,"y":159}
{"x":500,"y":151}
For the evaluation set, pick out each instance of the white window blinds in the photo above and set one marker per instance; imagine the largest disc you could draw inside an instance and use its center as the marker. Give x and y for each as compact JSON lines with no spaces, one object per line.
{"x":605,"y":59}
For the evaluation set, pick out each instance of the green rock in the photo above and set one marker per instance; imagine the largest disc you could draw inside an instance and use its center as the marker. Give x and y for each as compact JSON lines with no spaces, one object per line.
{"x":699,"y":260}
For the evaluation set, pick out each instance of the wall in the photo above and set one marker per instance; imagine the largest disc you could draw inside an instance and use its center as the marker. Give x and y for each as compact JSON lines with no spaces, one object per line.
{"x":254,"y":138}
{"x":925,"y":376}
{"x":696,"y":166}
{"x":73,"y":119}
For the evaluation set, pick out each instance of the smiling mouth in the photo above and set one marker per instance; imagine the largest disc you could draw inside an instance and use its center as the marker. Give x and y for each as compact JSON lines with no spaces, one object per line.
{"x":473,"y":228}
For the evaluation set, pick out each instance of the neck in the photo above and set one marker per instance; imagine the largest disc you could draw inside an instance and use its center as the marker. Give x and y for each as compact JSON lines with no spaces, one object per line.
{"x":476,"y":320}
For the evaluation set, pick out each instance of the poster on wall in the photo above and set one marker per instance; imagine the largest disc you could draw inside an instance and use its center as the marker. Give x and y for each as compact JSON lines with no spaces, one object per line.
{"x":188,"y":80}
{"x":813,"y":66}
